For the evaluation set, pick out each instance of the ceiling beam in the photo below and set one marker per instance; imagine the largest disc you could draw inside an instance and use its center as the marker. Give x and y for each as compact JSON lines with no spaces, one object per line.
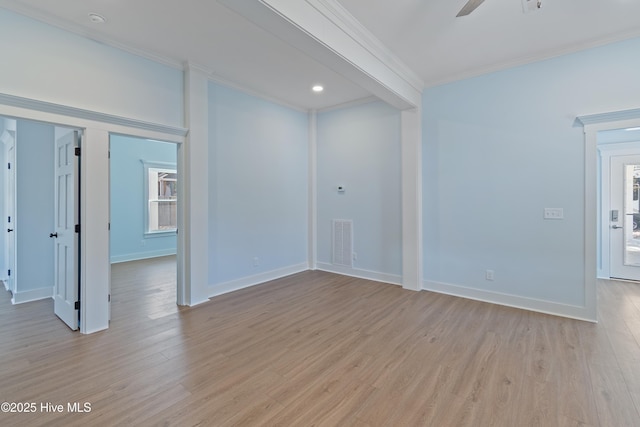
{"x":325,"y":31}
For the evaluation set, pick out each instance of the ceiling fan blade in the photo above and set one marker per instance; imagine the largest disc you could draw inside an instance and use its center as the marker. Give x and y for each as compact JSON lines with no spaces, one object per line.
{"x":469,"y":7}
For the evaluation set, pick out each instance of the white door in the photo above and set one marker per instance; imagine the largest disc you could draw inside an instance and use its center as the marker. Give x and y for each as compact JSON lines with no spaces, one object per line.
{"x":10,"y":214}
{"x":65,"y":235}
{"x":624,"y":217}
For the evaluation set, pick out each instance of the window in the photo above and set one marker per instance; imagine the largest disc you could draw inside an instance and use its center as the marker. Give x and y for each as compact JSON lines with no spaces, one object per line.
{"x":161,"y":210}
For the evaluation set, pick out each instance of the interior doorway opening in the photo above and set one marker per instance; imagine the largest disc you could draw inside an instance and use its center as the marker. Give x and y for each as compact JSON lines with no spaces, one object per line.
{"x":143,"y":188}
{"x":619,"y":215}
{"x":40,"y":207}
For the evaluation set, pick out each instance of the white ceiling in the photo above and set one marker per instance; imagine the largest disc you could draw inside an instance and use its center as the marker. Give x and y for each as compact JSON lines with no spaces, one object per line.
{"x":423,"y":33}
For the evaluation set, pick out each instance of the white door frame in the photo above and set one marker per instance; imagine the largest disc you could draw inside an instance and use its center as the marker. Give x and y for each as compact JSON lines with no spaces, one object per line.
{"x":94,"y":193}
{"x":593,"y":124}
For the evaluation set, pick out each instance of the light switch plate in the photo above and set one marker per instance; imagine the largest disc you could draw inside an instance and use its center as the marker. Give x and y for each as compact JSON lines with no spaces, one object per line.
{"x":553,"y":213}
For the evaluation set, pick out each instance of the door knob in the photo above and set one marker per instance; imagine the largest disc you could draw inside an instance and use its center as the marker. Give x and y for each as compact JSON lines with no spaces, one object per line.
{"x":9,"y":230}
{"x":53,"y":235}
{"x":615,"y":227}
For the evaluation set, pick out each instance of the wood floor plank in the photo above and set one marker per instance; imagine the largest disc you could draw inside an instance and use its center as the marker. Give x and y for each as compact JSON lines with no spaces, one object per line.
{"x":317,"y":348}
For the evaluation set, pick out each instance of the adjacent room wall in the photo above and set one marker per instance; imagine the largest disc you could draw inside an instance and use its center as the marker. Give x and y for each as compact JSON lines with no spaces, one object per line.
{"x":34,"y":210}
{"x":48,"y":64}
{"x":258,"y":189}
{"x":359,"y":148}
{"x":128,"y":240}
{"x":499,"y":149}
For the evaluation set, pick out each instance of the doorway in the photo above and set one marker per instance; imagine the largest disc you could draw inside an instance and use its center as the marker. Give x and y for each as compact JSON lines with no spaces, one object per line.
{"x":619,"y":194}
{"x":41,"y":211}
{"x":624,"y":217}
{"x":143,"y":221}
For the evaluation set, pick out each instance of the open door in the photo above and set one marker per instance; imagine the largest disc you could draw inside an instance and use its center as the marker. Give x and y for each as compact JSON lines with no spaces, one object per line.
{"x":66,"y":234}
{"x":10,"y":212}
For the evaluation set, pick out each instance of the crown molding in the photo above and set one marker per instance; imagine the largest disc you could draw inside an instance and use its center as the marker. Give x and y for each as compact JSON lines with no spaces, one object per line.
{"x":256,"y":93}
{"x":549,"y":54}
{"x":80,"y":113}
{"x":354,"y":103}
{"x":33,"y":13}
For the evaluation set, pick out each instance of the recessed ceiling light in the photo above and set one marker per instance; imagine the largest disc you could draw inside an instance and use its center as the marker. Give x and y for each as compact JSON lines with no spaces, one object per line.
{"x":317,"y":88}
{"x":97,"y":19}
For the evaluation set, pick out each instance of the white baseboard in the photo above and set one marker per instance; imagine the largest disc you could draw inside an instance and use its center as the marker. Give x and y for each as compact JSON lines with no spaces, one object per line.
{"x":245,"y":282}
{"x":360,"y":273}
{"x":142,"y":255}
{"x":6,"y":285}
{"x":32,"y":295}
{"x":531,"y":304}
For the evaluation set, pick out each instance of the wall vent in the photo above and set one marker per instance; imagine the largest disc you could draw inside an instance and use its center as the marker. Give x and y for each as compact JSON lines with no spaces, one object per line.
{"x":343,"y":242}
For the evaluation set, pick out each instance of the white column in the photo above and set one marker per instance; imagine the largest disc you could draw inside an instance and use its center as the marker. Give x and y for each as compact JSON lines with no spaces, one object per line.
{"x":193,"y":163}
{"x":95,"y":271}
{"x":411,"y":129}
{"x":313,"y":194}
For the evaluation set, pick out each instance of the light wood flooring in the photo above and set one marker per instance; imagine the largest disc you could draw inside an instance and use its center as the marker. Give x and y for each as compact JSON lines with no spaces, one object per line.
{"x":318,"y":349}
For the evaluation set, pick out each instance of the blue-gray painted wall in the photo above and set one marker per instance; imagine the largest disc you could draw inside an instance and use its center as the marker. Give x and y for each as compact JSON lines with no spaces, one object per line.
{"x":127,"y":239}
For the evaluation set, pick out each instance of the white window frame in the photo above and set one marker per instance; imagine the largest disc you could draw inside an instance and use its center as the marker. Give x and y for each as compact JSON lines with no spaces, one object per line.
{"x":160,"y":167}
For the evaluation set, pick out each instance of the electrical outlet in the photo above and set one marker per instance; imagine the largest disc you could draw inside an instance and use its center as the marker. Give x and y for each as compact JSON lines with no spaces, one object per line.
{"x":256,"y":261}
{"x":355,"y":256}
{"x":553,"y":213}
{"x":488,"y":275}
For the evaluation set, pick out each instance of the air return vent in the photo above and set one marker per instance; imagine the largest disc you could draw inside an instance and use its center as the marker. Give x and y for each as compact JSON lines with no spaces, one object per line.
{"x":343,"y":242}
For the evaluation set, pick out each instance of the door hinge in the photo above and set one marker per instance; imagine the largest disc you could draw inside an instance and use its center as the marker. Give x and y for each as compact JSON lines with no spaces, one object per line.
{"x":109,"y":298}
{"x":8,"y":219}
{"x":8,"y":165}
{"x":77,"y":228}
{"x":109,"y":226}
{"x":9,"y":273}
{"x":77,"y":151}
{"x":76,"y":306}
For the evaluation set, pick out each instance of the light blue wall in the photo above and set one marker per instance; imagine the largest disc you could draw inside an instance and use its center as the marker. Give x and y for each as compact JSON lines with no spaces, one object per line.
{"x":49,"y":64}
{"x":257,"y":185}
{"x":359,"y":148}
{"x":128,"y":241}
{"x":34,"y":205}
{"x":501,"y":147}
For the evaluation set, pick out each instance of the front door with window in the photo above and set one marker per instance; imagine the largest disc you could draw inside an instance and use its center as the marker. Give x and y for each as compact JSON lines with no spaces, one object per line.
{"x":624,"y":217}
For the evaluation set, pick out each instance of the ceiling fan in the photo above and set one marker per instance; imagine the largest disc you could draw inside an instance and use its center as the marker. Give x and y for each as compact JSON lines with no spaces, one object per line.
{"x":471,"y":5}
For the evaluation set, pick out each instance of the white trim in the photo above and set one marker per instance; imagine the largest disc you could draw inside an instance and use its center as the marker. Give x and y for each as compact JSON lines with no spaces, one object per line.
{"x":33,"y":13}
{"x":342,"y":18}
{"x":317,"y":30}
{"x":116,"y":259}
{"x":349,"y":104}
{"x":257,"y":279}
{"x":605,"y":118}
{"x":593,"y":123}
{"x":524,"y":303}
{"x":360,"y":273}
{"x":549,"y":54}
{"x":412,"y":236}
{"x":254,"y":92}
{"x":32,"y":295}
{"x":312,"y":243}
{"x":94,"y":309}
{"x":50,"y":107}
